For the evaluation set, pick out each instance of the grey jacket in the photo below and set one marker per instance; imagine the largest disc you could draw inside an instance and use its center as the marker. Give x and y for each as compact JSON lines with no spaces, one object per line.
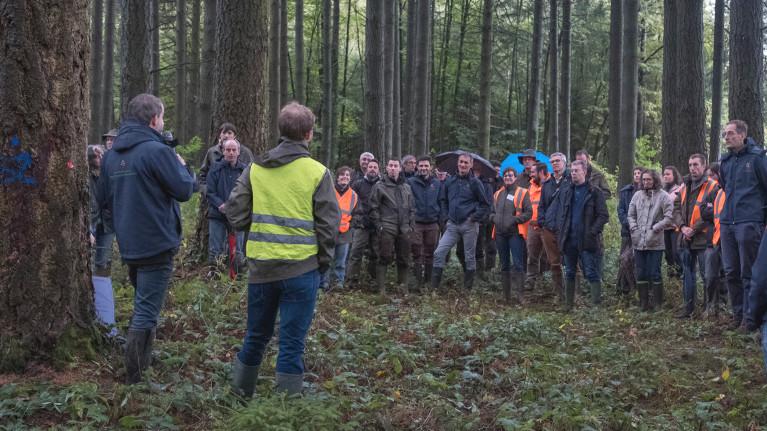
{"x":392,"y":207}
{"x":650,"y":213}
{"x":239,"y":209}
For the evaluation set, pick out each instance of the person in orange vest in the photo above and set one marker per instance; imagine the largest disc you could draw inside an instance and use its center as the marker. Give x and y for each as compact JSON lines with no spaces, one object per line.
{"x":347,"y":201}
{"x":539,"y":174}
{"x":512,"y":211}
{"x":713,"y":274}
{"x":697,"y":192}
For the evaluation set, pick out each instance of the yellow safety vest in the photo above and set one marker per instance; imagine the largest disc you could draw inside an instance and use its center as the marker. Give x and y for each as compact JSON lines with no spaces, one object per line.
{"x":282,"y":227}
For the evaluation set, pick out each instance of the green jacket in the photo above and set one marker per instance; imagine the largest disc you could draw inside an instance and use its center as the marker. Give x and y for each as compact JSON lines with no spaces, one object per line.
{"x":392,"y":207}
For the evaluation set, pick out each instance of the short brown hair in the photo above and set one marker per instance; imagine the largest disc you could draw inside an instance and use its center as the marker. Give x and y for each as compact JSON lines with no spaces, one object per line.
{"x":740,"y":126}
{"x":656,"y":183}
{"x":295,"y":121}
{"x":700,"y":157}
{"x":510,"y":169}
{"x":143,"y":108}
{"x":340,"y":171}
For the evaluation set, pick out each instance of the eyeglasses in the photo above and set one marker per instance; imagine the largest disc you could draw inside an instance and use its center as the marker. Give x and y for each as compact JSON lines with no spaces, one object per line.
{"x":509,"y":176}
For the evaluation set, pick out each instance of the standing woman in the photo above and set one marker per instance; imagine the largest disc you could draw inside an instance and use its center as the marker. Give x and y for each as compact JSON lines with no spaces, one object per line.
{"x":672,"y":182}
{"x":512,"y":212}
{"x":347,"y":200}
{"x":650,"y":212}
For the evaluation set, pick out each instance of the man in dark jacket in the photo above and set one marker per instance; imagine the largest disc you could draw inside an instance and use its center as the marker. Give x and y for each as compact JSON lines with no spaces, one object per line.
{"x":142,"y":181}
{"x":287,"y":202}
{"x":392,"y":212}
{"x":215,"y":153}
{"x":743,"y":174}
{"x":547,"y":219}
{"x":626,"y":276}
{"x":364,"y":239}
{"x":409,"y":166}
{"x":593,"y":176}
{"x":581,"y":218}
{"x":485,"y":249}
{"x":425,"y":188}
{"x":221,"y":180}
{"x":464,"y":204}
{"x":696,"y":194}
{"x":362,"y":171}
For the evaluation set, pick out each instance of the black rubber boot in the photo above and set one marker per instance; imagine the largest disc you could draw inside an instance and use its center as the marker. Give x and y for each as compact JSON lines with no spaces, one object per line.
{"x":569,"y":294}
{"x":657,"y":295}
{"x":518,"y":284}
{"x":381,"y":279}
{"x":643,"y":287}
{"x":596,"y":292}
{"x":136,"y":354}
{"x":436,"y":278}
{"x":243,"y":378}
{"x":506,"y":284}
{"x":468,"y":279}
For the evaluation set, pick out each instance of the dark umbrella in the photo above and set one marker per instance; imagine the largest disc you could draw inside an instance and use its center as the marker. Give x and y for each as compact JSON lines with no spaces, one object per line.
{"x":448,"y":161}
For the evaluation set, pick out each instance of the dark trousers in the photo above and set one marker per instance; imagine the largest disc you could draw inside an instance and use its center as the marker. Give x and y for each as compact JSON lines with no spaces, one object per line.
{"x":393,"y":245}
{"x":714,"y":277}
{"x":690,"y":260}
{"x":363,"y":242}
{"x":511,"y":246}
{"x":423,"y":242}
{"x":647,"y":264}
{"x":294,"y":299}
{"x":740,"y":246}
{"x":535,"y":253}
{"x":591,"y":263}
{"x":673,"y":260}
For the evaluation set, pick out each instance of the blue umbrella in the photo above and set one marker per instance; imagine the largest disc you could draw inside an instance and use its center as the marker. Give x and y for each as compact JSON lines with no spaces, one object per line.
{"x":512,"y":161}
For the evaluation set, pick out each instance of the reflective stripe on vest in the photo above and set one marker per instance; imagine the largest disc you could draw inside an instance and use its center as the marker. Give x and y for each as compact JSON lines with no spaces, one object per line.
{"x":704,"y":191}
{"x":346,"y":204}
{"x":535,"y":198}
{"x":519,"y":196}
{"x":282,"y":225}
{"x":718,"y":207}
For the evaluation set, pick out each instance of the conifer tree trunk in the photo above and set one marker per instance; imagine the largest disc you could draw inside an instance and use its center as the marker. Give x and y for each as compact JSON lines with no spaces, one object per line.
{"x":206,"y":72}
{"x":134,"y":51}
{"x":486,"y":64}
{"x":284,"y":67}
{"x":374,"y":82}
{"x":629,"y":89}
{"x":746,"y":58}
{"x":327,"y":83}
{"x":94,"y":134}
{"x":180,"y":105}
{"x":274,"y":69}
{"x":300,"y":67}
{"x":421,"y":81}
{"x":553,"y":112}
{"x":534,"y":91}
{"x":716,"y":82}
{"x":193,"y":90}
{"x":389,"y":36}
{"x":614,"y":89}
{"x":564,"y":90}
{"x":396,"y":135}
{"x":154,"y":36}
{"x":107,"y":96}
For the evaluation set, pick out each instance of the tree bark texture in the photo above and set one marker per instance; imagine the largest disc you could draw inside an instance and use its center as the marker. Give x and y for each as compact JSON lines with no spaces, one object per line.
{"x":206,"y":71}
{"x":534,"y":92}
{"x":274,"y":69}
{"x":396,"y":135}
{"x":134,"y":51}
{"x":716,"y":83}
{"x":193,"y":90}
{"x":410,"y":72}
{"x":180,"y":99}
{"x":374,"y":82}
{"x":327,"y":83}
{"x":565,"y":87}
{"x":553,"y":79}
{"x":45,"y":273}
{"x":614,"y":89}
{"x":421,"y":81}
{"x":107,"y":96}
{"x":669,"y":102}
{"x":97,"y":17}
{"x":486,"y":65}
{"x":154,"y":64}
{"x":335,"y":64}
{"x":284,"y":66}
{"x":389,"y":32}
{"x":745,"y":93}
{"x":300,"y":66}
{"x":629,"y":89}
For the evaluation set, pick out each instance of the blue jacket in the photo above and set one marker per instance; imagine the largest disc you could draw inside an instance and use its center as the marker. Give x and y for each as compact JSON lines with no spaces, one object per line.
{"x":141,"y":183}
{"x":547,"y":208}
{"x":221,"y":180}
{"x":624,"y":199}
{"x":464,"y":198}
{"x":592,"y":220}
{"x":426,"y":195}
{"x":744,"y":178}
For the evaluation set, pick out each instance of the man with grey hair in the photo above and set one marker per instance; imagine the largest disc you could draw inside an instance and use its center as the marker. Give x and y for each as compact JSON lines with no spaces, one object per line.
{"x":363,"y":169}
{"x":408,"y":166}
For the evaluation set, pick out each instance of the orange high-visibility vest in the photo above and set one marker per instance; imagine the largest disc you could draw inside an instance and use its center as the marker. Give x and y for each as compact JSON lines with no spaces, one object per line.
{"x":705,"y":189}
{"x":346,"y":204}
{"x":535,"y":198}
{"x":718,"y":207}
{"x":519,"y":195}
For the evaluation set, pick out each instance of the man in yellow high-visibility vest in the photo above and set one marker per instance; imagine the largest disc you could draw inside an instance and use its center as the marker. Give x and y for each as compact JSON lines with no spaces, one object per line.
{"x":286,"y":201}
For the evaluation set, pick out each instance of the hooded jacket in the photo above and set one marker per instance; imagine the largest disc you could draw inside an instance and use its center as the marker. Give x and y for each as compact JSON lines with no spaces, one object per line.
{"x":426,"y":195}
{"x":593,"y":219}
{"x":221,"y":180}
{"x":650,"y":213}
{"x":215,"y":155}
{"x":361,"y":214}
{"x":392,"y":207}
{"x":744,"y":178}
{"x":464,"y":198}
{"x":505,"y":215}
{"x":325,"y":208}
{"x":140,"y":186}
{"x":547,"y":209}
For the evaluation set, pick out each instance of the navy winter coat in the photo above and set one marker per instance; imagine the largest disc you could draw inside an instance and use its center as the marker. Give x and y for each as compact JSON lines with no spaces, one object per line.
{"x":625,"y":195}
{"x":464,"y":198}
{"x":141,"y":183}
{"x":426,"y":194}
{"x":593,"y":220}
{"x":547,"y":208}
{"x":221,"y":180}
{"x":744,"y":177}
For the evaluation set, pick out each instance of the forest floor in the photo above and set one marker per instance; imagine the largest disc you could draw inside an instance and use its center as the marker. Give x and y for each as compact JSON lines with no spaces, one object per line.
{"x":439,"y":361}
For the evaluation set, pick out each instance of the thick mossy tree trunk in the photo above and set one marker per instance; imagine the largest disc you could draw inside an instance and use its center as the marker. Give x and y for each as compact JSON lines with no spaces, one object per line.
{"x":134,"y":51}
{"x":45,"y":288}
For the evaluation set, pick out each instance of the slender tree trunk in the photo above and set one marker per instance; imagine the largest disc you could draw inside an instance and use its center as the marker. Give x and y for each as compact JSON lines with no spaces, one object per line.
{"x":629,"y":89}
{"x":94,"y":134}
{"x":194,"y":73}
{"x":745,"y":94}
{"x":564,"y":91}
{"x":274,"y":69}
{"x":421,"y":105}
{"x":327,"y":83}
{"x":334,"y":64}
{"x":640,"y":104}
{"x":374,"y":89}
{"x":486,"y":64}
{"x":459,"y":63}
{"x":154,"y":36}
{"x":691,"y":117}
{"x":206,"y":72}
{"x":410,"y":72}
{"x":670,"y":98}
{"x":389,"y":38}
{"x":107,"y":96}
{"x":716,"y":82}
{"x":345,"y":80}
{"x":614,"y":90}
{"x":443,"y":74}
{"x":45,"y":272}
{"x":534,"y":96}
{"x":134,"y":51}
{"x":284,"y":67}
{"x":300,"y":67}
{"x":553,"y":78}
{"x":180,"y":105}
{"x":396,"y":135}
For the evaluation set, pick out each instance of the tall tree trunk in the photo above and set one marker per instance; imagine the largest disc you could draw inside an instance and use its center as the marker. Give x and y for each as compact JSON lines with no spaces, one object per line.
{"x":345,"y":79}
{"x":335,"y":149}
{"x":180,"y":105}
{"x":327,"y":83}
{"x":745,"y":94}
{"x":300,"y":67}
{"x":422,"y":90}
{"x":97,"y":17}
{"x":396,"y":135}
{"x":459,"y":63}
{"x":389,"y":32}
{"x":154,"y":57}
{"x":274,"y":69}
{"x":43,"y":205}
{"x":374,"y":88}
{"x":443,"y":136}
{"x":691,"y":117}
{"x":553,"y":78}
{"x":284,"y":67}
{"x":410,"y":72}
{"x":614,"y":90}
{"x":564,"y":91}
{"x":107,"y":96}
{"x":194,"y":73}
{"x":670,"y":98}
{"x":629,"y":89}
{"x":716,"y":82}
{"x":134,"y":51}
{"x":486,"y":65}
{"x":534,"y":91}
{"x":640,"y":104}
{"x":206,"y":71}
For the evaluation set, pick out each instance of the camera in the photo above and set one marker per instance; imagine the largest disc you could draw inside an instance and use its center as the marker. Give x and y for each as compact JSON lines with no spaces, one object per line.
{"x":170,"y":140}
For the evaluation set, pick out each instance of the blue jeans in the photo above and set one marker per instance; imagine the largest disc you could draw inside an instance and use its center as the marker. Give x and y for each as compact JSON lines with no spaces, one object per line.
{"x":647,"y":265}
{"x":591,"y":264}
{"x":218,"y":242}
{"x":690,"y":259}
{"x":338,"y":268}
{"x":511,"y":246}
{"x":103,"y":257}
{"x":294,"y":298}
{"x":151,"y":285}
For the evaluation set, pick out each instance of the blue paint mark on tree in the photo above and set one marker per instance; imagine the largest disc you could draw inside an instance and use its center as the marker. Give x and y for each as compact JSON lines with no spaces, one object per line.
{"x":14,"y":167}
